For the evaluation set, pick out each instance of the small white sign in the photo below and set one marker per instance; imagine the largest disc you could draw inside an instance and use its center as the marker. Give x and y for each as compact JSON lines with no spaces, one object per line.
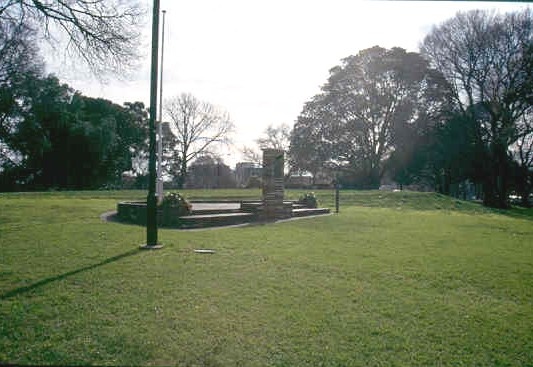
{"x":204,"y":251}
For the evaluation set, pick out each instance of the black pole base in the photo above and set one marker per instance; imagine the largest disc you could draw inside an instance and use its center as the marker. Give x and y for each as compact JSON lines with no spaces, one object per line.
{"x":151,"y":247}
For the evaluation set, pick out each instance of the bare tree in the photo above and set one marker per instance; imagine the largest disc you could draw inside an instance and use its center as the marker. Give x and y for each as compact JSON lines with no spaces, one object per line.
{"x":103,"y":33}
{"x":251,"y":154}
{"x":273,"y":137}
{"x":19,"y":65}
{"x":18,"y":54}
{"x":197,"y":126}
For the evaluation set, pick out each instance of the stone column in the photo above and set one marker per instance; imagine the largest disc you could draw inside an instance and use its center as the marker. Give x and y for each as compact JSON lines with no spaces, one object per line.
{"x":273,"y":184}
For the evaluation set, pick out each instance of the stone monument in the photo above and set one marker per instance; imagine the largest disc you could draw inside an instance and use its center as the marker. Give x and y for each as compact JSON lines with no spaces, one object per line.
{"x":273,"y":185}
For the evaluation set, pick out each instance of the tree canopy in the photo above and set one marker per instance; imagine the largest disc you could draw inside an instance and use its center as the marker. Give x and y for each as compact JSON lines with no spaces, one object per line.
{"x":361,"y":116}
{"x":54,"y":137}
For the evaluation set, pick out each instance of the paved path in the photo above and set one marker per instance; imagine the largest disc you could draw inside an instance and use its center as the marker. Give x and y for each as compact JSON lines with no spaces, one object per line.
{"x":215,"y":206}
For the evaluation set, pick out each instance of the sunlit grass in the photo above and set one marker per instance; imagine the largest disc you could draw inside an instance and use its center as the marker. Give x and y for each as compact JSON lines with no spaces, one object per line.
{"x":408,"y":279}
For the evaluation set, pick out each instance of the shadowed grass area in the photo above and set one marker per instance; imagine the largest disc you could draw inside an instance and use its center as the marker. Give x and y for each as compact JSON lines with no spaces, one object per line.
{"x":394,"y":279}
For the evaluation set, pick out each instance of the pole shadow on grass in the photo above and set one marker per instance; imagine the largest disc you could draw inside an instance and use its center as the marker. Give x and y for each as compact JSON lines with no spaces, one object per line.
{"x":31,"y":287}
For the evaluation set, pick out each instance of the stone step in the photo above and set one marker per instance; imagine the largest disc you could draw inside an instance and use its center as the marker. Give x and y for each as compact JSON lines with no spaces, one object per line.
{"x":201,"y":208}
{"x":299,"y":206}
{"x":213,"y":220}
{"x":214,"y":211}
{"x":251,"y":207}
{"x":304,"y":212}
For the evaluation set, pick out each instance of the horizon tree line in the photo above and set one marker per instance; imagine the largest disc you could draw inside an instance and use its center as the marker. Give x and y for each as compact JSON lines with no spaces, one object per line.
{"x":459,"y":109}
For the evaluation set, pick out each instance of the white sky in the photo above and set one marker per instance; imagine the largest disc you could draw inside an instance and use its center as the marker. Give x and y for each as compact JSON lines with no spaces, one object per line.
{"x":261,"y":60}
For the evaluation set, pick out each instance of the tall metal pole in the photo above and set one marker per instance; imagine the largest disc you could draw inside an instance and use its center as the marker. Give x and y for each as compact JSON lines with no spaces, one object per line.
{"x":337,"y":187}
{"x":160,"y":125}
{"x":151,"y":200}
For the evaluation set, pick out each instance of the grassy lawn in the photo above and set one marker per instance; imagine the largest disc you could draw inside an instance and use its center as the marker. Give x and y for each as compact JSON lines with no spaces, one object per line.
{"x":395,"y":279}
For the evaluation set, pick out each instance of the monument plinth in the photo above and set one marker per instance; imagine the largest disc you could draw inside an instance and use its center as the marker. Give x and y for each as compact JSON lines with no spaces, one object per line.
{"x":273,"y":185}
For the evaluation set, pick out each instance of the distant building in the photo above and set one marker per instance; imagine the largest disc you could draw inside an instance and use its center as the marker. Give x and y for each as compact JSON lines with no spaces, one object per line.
{"x":246,"y":173}
{"x":128,"y":180}
{"x":323,"y":179}
{"x":299,"y":181}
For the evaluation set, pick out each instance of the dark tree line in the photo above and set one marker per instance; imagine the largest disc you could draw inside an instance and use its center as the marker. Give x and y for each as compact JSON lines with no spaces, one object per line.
{"x":459,"y":110}
{"x":54,"y":137}
{"x":487,"y":59}
{"x":50,"y":135}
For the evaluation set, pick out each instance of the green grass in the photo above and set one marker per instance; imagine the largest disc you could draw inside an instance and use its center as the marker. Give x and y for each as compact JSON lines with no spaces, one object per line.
{"x":395,"y":279}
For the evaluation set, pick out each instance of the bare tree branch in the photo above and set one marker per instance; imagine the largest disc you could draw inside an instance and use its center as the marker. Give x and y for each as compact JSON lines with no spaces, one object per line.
{"x":104,"y":34}
{"x":197,"y":126}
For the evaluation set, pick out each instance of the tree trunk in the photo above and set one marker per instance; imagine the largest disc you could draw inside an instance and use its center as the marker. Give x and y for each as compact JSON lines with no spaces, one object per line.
{"x":183,"y":174}
{"x":495,"y":187}
{"x":524,"y":186}
{"x":524,"y":201}
{"x":374,"y":179}
{"x":445,"y":181}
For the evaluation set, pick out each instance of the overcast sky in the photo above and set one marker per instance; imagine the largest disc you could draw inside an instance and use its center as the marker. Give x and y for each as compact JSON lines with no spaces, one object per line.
{"x":262,"y":59}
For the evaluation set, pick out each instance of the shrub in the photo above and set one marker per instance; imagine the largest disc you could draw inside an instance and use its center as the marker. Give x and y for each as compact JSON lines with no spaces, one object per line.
{"x":176,"y":204}
{"x":309,"y":200}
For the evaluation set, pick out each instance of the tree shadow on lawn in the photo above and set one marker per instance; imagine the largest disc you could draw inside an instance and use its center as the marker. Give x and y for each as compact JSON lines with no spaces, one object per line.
{"x":28,"y":288}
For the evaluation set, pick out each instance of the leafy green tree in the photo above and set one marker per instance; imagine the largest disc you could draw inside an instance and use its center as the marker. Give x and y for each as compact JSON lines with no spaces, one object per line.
{"x":61,"y":139}
{"x":310,"y":145}
{"x":357,"y":121}
{"x":171,"y":159}
{"x":116,"y":134}
{"x":40,"y":131}
{"x":139,"y":148}
{"x":455,"y":154}
{"x":48,"y":137}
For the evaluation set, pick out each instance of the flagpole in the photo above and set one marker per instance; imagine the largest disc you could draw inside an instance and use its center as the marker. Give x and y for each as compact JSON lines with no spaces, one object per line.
{"x":151,"y":200}
{"x":160,"y":126}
